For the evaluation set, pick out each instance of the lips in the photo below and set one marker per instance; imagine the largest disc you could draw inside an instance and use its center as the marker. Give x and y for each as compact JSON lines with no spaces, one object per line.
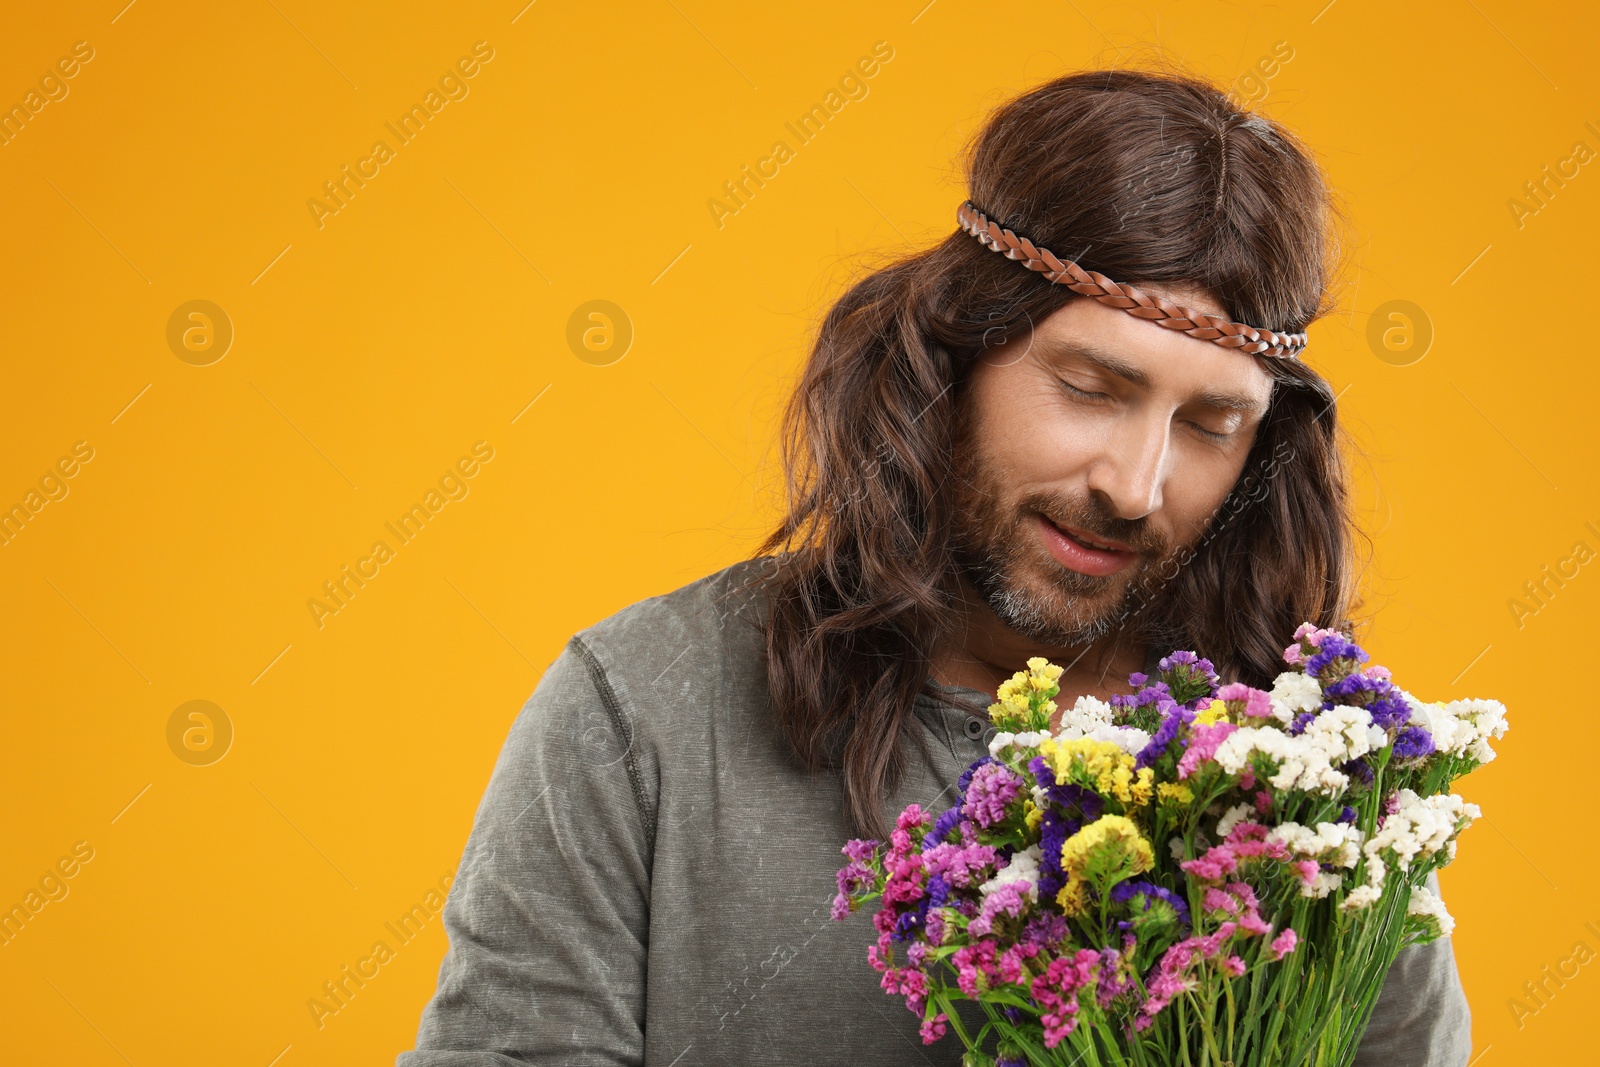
{"x":1088,"y":540}
{"x":1069,"y":552}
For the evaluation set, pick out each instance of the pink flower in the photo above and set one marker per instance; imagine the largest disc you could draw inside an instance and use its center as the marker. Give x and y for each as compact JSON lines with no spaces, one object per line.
{"x":1216,"y":900}
{"x":1009,"y":899}
{"x":975,"y":966}
{"x":1310,"y":635}
{"x":1257,"y":704}
{"x":1284,"y":943}
{"x":1203,"y":744}
{"x":1057,"y":991}
{"x":961,"y":865}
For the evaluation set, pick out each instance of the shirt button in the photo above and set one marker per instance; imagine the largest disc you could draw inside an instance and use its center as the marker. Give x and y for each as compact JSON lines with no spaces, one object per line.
{"x":974,"y":728}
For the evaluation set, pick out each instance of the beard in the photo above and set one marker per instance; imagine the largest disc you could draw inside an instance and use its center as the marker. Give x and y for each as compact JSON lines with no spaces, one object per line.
{"x":998,"y":551}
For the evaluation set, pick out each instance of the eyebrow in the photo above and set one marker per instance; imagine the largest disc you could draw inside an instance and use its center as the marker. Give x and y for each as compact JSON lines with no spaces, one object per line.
{"x":1115,"y":364}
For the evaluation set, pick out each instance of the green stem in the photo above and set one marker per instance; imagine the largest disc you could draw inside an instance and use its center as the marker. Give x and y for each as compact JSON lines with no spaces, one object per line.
{"x":944,"y":1004}
{"x":1183,"y":1028}
{"x":1227,"y":988}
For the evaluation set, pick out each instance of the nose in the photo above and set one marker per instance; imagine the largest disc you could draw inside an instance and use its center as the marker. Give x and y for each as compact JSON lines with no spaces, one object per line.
{"x":1132,"y":466}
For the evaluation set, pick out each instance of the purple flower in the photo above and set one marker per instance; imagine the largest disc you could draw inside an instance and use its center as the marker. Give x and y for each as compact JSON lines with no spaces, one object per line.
{"x":1390,"y":711}
{"x":1053,"y":833}
{"x":1413,"y":741}
{"x":1359,"y":770}
{"x":1143,"y":709}
{"x":1066,"y":794}
{"x":1335,"y":646}
{"x":942,"y":827}
{"x":1347,"y":814}
{"x":989,"y":793}
{"x":1188,"y":677}
{"x":966,"y":775}
{"x":1150,"y":895}
{"x":856,"y":876}
{"x":1048,"y":930}
{"x":937,"y":892}
{"x":1170,"y":724}
{"x":1372,"y":690}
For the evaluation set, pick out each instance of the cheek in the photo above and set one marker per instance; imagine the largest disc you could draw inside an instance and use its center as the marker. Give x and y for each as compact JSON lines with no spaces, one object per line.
{"x":1197,"y":494}
{"x":1030,"y":435}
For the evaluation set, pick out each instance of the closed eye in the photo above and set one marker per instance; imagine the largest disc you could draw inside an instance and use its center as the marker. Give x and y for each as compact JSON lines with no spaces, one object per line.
{"x":1075,"y":391}
{"x":1100,"y":397}
{"x":1210,"y":435}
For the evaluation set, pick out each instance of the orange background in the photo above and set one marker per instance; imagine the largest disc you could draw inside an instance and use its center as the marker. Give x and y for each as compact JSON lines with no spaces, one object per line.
{"x":431,"y":312}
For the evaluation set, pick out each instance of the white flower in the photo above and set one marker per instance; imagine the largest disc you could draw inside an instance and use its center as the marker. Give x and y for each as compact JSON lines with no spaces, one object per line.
{"x":1325,"y":883}
{"x":1004,"y":739}
{"x":1344,"y":733}
{"x":1294,"y":692}
{"x":1130,"y":739}
{"x":1426,"y":903}
{"x":1421,"y":825}
{"x":1086,"y":713}
{"x":1487,"y":719}
{"x":1308,"y":762}
{"x":1418,"y":826}
{"x":1093,"y":718}
{"x":1331,"y":842}
{"x":1461,"y":727}
{"x":1024,"y":867}
{"x":1361,"y":896}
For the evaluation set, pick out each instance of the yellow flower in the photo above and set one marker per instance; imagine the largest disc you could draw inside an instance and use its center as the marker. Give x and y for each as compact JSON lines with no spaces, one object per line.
{"x":1214,"y":711}
{"x":1073,"y":897}
{"x":1103,"y":853}
{"x":1032,"y":816}
{"x":1022,"y":702}
{"x":1175,"y":791}
{"x":1042,"y":675}
{"x":1101,"y":765}
{"x":1142,"y":784}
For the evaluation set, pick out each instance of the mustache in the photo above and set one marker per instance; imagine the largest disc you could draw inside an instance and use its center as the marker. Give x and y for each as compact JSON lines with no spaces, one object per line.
{"x":1092,"y":517}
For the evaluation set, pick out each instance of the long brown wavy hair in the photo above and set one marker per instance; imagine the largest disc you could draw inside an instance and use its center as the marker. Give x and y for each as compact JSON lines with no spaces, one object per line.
{"x":1145,"y":177}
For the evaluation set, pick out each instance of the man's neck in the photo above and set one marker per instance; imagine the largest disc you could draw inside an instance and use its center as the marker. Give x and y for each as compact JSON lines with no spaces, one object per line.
{"x":983,"y":652}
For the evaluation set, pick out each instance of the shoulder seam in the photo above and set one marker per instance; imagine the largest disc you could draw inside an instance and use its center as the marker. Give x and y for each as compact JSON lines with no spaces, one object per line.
{"x":608,"y":697}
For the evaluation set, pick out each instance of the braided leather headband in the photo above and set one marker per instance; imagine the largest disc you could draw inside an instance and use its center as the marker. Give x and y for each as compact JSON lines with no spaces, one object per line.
{"x":1135,"y":302}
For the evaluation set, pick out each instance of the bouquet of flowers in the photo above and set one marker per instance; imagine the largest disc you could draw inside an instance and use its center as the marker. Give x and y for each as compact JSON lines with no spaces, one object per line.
{"x":1195,"y":873}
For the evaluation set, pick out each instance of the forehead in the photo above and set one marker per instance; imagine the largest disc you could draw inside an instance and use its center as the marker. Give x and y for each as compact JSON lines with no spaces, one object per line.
{"x":1158,"y":358}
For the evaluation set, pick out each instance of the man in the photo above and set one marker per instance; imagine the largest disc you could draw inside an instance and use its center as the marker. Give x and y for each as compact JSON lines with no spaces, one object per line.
{"x":990,"y":458}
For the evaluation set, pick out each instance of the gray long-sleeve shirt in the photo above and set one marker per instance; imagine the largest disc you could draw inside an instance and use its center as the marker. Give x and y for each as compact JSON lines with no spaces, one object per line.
{"x":649,"y":875}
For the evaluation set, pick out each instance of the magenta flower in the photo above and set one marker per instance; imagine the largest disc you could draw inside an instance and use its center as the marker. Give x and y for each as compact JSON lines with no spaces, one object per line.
{"x":1057,"y":991}
{"x":993,"y":787}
